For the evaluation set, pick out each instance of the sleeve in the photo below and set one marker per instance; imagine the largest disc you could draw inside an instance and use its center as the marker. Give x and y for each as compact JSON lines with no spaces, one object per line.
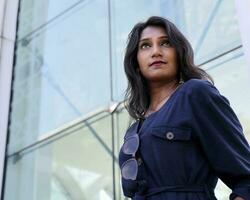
{"x":221,"y":136}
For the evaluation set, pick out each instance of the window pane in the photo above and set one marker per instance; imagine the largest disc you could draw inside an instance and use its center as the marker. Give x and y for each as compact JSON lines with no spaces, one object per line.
{"x":76,"y":166}
{"x":60,"y":74}
{"x":219,"y":32}
{"x":34,"y":14}
{"x":122,"y":121}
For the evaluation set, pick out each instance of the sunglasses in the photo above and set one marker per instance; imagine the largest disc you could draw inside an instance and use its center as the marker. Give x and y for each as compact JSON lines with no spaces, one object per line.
{"x":129,"y":168}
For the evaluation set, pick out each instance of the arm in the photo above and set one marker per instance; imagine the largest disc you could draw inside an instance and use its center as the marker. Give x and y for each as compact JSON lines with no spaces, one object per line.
{"x":218,"y":127}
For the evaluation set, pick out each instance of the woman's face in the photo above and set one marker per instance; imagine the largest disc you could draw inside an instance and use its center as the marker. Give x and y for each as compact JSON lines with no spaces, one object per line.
{"x":155,"y":56}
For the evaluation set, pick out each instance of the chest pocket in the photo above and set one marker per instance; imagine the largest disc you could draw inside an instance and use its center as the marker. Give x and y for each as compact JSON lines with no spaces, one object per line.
{"x":171,"y":133}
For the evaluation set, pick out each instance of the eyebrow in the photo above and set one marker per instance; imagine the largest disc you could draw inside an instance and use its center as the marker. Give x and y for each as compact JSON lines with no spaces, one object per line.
{"x":149,"y":38}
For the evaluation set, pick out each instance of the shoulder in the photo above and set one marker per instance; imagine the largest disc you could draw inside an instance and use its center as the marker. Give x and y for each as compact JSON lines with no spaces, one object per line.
{"x":203,"y":91}
{"x":200,"y":87}
{"x":199,"y":84}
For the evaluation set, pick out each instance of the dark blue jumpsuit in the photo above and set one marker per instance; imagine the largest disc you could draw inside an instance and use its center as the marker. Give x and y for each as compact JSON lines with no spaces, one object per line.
{"x":194,"y":139}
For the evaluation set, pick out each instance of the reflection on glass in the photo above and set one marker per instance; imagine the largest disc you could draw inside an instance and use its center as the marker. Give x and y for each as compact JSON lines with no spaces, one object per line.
{"x":35,"y":14}
{"x":77,"y":166}
{"x":219,"y":32}
{"x":61,"y":74}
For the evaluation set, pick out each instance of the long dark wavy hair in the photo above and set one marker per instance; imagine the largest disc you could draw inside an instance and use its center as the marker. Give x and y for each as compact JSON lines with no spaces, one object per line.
{"x":137,"y":92}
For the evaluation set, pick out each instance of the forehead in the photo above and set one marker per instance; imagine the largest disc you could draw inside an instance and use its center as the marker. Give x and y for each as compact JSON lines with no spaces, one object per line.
{"x":153,"y":31}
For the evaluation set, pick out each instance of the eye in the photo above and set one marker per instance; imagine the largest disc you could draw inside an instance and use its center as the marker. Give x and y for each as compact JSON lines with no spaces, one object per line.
{"x":144,"y":45}
{"x":165,"y":43}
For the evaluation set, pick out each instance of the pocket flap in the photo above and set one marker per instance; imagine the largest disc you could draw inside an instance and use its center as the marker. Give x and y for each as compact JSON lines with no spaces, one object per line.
{"x":171,"y":133}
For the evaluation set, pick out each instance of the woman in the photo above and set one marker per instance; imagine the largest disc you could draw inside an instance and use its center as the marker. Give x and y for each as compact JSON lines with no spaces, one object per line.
{"x":186,"y":135}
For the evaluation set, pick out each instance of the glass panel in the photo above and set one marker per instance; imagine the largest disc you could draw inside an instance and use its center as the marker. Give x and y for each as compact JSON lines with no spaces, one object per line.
{"x":122,"y":122}
{"x":77,"y":166}
{"x":60,"y":74}
{"x":218,"y":33}
{"x":35,"y":14}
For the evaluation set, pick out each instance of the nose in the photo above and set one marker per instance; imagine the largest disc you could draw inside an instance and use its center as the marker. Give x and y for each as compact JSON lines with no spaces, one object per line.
{"x":156,"y":51}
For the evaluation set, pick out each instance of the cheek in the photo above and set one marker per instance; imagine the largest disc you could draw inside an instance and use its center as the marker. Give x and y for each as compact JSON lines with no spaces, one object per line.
{"x":172,"y":57}
{"x":140,"y":60}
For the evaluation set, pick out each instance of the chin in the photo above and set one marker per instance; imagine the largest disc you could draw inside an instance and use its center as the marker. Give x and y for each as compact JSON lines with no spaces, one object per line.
{"x":159,"y":77}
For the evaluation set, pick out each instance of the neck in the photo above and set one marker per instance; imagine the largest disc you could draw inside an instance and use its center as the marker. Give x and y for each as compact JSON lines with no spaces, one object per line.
{"x":159,"y":93}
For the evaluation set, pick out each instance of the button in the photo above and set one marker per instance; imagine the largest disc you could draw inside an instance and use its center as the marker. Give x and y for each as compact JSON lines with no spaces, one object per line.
{"x":139,"y":161}
{"x":169,"y":135}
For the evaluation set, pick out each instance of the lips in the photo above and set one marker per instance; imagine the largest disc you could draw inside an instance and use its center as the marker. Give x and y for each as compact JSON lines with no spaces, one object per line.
{"x":157,"y":62}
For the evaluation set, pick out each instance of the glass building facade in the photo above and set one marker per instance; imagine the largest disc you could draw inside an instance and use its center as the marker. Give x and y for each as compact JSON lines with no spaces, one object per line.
{"x":67,"y":119}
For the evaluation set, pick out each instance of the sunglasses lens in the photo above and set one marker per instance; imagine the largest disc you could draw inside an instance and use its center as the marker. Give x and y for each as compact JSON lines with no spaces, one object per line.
{"x":131,"y":145}
{"x":129,"y":169}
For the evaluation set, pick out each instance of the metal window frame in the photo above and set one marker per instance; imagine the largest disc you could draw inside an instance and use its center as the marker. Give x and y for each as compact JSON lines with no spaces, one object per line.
{"x":8,"y":24}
